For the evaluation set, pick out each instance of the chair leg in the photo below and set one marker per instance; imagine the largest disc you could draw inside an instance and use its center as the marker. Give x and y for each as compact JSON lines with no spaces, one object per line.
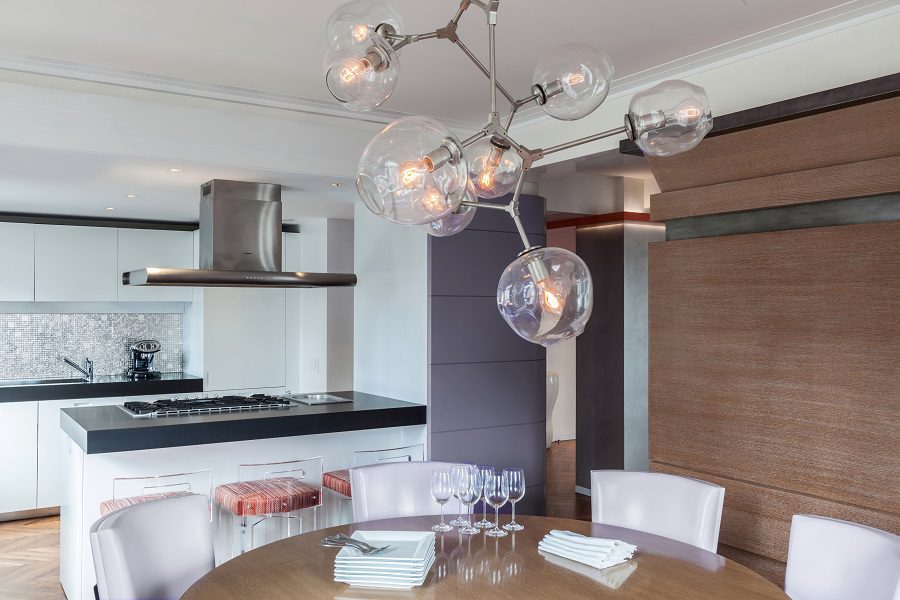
{"x":244,"y":535}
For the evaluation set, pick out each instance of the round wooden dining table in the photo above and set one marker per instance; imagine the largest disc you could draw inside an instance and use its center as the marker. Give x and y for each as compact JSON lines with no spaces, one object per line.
{"x":477,"y":566}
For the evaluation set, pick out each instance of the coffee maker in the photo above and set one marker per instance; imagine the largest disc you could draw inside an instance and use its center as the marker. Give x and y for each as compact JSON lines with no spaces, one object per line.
{"x":142,"y":354}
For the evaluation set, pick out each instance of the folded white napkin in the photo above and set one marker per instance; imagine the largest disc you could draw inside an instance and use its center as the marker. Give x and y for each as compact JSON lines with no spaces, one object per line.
{"x":612,"y":577}
{"x":595,"y":552}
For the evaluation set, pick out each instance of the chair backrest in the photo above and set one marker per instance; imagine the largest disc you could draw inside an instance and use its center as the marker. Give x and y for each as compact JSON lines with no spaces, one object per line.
{"x":414,"y":453}
{"x":830,"y":559}
{"x":680,"y":508}
{"x":153,"y":550}
{"x":195,"y":482}
{"x":399,"y":489}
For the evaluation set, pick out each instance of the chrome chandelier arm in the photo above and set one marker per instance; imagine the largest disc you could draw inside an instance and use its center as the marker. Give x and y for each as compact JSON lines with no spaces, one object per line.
{"x":584,"y":140}
{"x":512,"y":207}
{"x":482,"y":68}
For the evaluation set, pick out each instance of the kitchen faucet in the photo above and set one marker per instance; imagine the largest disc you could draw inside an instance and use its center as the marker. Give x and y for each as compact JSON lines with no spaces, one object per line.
{"x":87,"y":369}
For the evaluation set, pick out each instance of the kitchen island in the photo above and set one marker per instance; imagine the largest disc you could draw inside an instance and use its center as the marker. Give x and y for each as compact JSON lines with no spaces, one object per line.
{"x":105,"y":442}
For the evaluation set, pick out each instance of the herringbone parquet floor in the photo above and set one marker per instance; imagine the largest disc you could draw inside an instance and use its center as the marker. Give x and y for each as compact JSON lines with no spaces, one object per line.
{"x":29,"y":560}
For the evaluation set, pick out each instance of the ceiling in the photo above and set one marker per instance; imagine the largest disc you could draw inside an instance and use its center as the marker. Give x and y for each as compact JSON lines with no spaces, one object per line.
{"x":276,"y":46}
{"x":39,"y":181}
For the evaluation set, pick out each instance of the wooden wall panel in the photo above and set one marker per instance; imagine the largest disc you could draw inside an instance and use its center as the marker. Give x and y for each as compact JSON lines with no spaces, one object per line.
{"x":853,"y":180}
{"x":853,"y":134}
{"x":774,"y":370}
{"x":757,"y":518}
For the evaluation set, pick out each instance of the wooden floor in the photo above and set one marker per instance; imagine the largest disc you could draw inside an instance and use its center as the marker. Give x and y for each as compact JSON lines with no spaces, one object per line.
{"x":29,"y":549}
{"x":29,"y":560}
{"x":562,"y":501}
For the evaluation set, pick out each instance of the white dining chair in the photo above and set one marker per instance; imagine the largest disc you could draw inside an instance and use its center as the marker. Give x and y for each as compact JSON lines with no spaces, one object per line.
{"x":830,"y":559}
{"x":402,"y":489}
{"x":156,"y":549}
{"x":680,"y":508}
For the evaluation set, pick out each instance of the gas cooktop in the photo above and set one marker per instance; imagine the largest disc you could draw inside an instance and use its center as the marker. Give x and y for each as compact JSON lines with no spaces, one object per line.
{"x":206,"y":406}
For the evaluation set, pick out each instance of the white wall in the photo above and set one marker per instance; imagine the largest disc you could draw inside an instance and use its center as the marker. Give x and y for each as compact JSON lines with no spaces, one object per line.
{"x":819,"y":60}
{"x":321,"y":337}
{"x":390,"y":309}
{"x":339,"y":355}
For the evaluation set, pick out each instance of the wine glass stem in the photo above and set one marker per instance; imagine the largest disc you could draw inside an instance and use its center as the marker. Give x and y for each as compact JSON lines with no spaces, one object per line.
{"x":442,"y":515}
{"x":497,"y":518}
{"x":484,"y":510}
{"x":513,"y":512}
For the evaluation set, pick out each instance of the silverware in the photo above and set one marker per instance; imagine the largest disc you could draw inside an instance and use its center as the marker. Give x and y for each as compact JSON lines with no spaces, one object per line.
{"x":343,"y":539}
{"x":364,"y":548}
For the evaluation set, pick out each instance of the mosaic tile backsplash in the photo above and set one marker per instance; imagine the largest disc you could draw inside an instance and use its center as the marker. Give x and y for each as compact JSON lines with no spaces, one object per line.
{"x":32,"y":345}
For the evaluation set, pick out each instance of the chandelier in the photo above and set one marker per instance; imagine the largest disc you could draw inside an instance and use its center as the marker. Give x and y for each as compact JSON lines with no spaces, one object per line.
{"x":417,"y":172}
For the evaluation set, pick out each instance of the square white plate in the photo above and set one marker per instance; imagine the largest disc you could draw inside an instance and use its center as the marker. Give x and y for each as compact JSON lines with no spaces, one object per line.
{"x":385,"y":567}
{"x":386,"y":581}
{"x":405,"y":547}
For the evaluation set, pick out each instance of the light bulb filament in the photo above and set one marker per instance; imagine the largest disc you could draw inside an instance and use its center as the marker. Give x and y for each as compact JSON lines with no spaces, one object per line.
{"x":576,"y":78}
{"x":491,"y":162}
{"x":360,"y":32}
{"x":411,"y":173}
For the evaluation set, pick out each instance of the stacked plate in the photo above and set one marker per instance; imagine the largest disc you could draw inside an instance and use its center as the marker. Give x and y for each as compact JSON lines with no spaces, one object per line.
{"x":403,"y":565}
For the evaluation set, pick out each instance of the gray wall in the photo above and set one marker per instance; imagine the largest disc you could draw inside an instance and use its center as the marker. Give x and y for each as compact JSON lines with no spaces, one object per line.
{"x":599,"y":387}
{"x":486,"y":385}
{"x":611,"y":356}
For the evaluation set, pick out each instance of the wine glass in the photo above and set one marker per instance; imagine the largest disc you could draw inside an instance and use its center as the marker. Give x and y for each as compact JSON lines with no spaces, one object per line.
{"x":496,"y":492}
{"x":441,"y":491}
{"x":468,"y":490}
{"x":484,"y":473}
{"x":515,"y":478}
{"x":455,"y":471}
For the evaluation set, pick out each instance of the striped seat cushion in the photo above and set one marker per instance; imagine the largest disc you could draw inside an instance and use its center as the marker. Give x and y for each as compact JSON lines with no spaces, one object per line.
{"x":338,"y":481}
{"x":108,"y":506}
{"x":266,"y":496}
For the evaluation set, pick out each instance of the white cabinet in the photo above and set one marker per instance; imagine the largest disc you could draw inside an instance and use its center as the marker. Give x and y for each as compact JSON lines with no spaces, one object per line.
{"x":50,"y":447}
{"x":16,"y":262}
{"x":75,"y":264}
{"x":139,"y":248}
{"x":18,"y":467}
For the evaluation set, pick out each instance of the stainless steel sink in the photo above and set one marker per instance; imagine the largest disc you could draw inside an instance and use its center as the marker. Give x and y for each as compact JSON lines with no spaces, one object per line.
{"x":318,"y":398}
{"x":55,"y":381}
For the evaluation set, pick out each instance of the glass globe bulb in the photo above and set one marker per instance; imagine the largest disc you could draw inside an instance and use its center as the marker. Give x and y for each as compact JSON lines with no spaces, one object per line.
{"x":362,"y":80}
{"x":494,"y":168}
{"x":574,"y":79}
{"x":352,"y":25}
{"x":413,"y":172}
{"x":669,"y":118}
{"x":455,"y":221}
{"x":546,"y":295}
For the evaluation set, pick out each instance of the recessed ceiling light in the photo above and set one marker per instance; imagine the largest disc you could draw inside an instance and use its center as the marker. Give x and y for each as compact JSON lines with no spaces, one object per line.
{"x":132,"y":195}
{"x":110,"y":208}
{"x":176,"y":170}
{"x":337,"y":184}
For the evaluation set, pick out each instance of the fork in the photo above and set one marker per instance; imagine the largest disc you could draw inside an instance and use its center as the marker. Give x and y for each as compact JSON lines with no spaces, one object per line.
{"x":364,"y":548}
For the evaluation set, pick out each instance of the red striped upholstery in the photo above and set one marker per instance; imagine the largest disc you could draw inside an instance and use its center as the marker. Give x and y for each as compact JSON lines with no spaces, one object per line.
{"x":108,"y":506}
{"x":338,"y":481}
{"x":267,"y":496}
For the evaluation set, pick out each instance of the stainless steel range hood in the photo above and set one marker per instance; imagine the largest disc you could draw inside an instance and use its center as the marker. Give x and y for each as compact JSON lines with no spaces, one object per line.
{"x":240,"y":244}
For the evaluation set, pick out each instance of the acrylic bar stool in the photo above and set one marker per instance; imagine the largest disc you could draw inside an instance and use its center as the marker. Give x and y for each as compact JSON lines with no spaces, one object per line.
{"x":338,"y":482}
{"x":129,"y":491}
{"x":268,"y":500}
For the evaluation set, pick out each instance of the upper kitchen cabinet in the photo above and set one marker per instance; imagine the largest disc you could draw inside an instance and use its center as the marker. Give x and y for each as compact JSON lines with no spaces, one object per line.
{"x":16,"y":262}
{"x":139,"y":248}
{"x":75,"y":264}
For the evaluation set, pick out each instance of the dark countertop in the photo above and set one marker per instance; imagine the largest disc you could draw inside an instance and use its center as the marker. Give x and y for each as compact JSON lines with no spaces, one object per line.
{"x":102,"y":429}
{"x":103,"y":386}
